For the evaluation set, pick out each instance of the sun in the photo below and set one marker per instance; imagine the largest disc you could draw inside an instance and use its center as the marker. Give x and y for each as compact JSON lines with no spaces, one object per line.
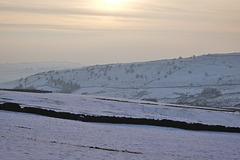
{"x":113,"y":1}
{"x":110,"y":5}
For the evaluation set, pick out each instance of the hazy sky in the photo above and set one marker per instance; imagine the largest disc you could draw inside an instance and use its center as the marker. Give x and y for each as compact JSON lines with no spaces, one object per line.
{"x":105,"y":31}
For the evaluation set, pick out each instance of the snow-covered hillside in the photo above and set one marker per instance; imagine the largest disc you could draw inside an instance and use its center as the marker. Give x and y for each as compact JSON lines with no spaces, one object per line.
{"x":208,"y":80}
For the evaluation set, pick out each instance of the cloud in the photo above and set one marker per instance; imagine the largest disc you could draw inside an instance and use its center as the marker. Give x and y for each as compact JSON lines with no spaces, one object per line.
{"x":69,"y":11}
{"x":138,"y":16}
{"x":141,"y":10}
{"x":54,"y":28}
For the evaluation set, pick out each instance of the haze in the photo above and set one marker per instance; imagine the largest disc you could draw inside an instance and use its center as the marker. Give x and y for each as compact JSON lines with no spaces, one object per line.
{"x":104,"y":31}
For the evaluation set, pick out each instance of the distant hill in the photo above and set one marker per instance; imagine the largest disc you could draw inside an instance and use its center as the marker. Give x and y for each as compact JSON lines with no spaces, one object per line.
{"x":13,"y":71}
{"x":207,"y":80}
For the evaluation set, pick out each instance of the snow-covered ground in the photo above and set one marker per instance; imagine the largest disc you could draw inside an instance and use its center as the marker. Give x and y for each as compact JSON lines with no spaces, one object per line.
{"x":28,"y":136}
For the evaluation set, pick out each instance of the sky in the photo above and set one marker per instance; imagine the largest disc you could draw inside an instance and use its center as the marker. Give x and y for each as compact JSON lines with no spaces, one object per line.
{"x":116,"y":31}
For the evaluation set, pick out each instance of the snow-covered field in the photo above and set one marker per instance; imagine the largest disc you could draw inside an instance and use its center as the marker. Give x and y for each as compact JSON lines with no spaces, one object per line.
{"x":28,"y":136}
{"x":75,"y":103}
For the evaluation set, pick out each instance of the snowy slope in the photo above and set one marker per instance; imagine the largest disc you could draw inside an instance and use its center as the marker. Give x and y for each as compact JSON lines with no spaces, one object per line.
{"x":180,"y":80}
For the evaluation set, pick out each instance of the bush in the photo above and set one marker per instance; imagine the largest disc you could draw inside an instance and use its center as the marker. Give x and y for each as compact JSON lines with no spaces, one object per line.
{"x":10,"y":106}
{"x":20,"y":86}
{"x":150,"y":99}
{"x":211,"y":93}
